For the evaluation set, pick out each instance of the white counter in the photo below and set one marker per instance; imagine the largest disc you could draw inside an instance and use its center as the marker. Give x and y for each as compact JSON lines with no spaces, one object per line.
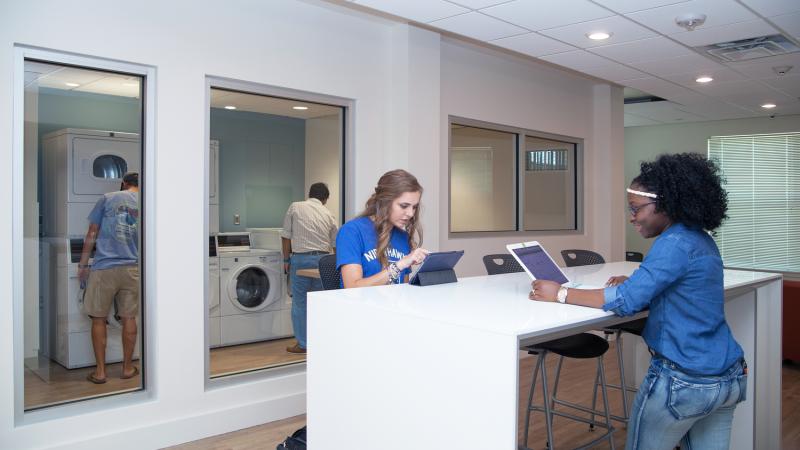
{"x":401,"y":367}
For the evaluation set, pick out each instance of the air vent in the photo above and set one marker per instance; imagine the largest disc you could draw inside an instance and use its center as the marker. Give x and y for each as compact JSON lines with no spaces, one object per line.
{"x":752,"y":48}
{"x":643,"y":99}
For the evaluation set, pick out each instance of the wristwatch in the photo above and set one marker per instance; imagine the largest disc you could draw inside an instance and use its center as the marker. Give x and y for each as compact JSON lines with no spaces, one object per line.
{"x":562,"y":295}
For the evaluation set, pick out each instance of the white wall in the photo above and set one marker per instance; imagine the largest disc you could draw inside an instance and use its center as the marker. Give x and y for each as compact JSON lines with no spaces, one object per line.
{"x":323,"y":142}
{"x":493,"y":87}
{"x":404,"y":82}
{"x":646,"y":143}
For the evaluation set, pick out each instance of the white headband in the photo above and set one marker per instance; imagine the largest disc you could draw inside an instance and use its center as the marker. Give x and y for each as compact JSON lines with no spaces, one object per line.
{"x":643,"y":194}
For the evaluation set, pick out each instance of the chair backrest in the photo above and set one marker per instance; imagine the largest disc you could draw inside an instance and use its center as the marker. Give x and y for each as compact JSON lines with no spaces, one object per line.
{"x":501,"y":263}
{"x":574,"y":257}
{"x":634,"y":257}
{"x":331,"y":278}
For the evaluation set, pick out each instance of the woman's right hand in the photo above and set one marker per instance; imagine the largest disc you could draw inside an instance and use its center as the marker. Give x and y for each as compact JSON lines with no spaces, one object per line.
{"x":412,"y":259}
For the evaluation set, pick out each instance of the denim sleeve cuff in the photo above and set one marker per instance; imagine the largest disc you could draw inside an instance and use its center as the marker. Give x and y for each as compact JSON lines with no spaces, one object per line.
{"x":612,"y":301}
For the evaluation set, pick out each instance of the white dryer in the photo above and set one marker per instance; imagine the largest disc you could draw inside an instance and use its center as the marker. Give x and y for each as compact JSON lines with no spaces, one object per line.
{"x":252,"y":305}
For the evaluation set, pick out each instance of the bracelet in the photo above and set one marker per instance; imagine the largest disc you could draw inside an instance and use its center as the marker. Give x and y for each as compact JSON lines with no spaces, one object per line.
{"x":394,"y":273}
{"x":83,"y":266}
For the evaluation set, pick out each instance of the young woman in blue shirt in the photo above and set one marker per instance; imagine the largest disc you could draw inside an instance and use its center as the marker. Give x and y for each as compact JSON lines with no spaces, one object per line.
{"x":697,"y":374}
{"x":383,"y":242}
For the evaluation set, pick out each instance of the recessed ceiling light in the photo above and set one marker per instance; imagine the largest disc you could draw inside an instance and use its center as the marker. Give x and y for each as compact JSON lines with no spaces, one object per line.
{"x":704,"y":80}
{"x":72,"y":84}
{"x":300,"y":108}
{"x":230,"y":107}
{"x":598,"y":35}
{"x":768,"y":105}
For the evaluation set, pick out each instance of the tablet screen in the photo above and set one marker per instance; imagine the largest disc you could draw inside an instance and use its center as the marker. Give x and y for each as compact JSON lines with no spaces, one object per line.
{"x":539,"y":263}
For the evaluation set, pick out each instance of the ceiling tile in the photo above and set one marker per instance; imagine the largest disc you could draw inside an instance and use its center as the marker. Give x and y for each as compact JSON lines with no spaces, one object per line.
{"x":478,"y":26}
{"x":689,"y":78}
{"x":621,"y":29}
{"x":540,"y":14}
{"x":418,"y":10}
{"x":477,"y":4}
{"x":762,"y":67}
{"x":626,"y":6}
{"x":642,"y":50}
{"x":725,"y":33}
{"x":632,"y":120}
{"x":790,"y":84}
{"x":662,"y":111}
{"x":772,"y":7}
{"x":614,"y":72}
{"x":677,"y":65}
{"x":718,"y":12}
{"x":533,"y":44}
{"x":577,"y":60}
{"x":790,"y":23}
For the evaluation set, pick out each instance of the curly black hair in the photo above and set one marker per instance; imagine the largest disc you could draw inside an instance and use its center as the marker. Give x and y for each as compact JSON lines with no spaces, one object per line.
{"x":689,"y":189}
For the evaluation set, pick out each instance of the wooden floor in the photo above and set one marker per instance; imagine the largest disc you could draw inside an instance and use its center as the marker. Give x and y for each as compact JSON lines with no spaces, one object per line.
{"x":568,"y":434}
{"x":48,"y":383}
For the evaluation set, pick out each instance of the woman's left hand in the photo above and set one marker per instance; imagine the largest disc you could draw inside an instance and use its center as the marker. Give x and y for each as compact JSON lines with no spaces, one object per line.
{"x":544,"y":291}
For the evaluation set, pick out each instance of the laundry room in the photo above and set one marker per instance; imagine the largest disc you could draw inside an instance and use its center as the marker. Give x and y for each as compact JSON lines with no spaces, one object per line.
{"x":269,"y":150}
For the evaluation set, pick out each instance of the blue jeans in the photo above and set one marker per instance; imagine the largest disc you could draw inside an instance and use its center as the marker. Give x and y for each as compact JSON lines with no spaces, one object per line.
{"x":301,"y":286}
{"x":673,"y":406}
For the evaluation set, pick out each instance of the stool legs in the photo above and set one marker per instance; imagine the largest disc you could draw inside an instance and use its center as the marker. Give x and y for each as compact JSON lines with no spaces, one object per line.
{"x":549,"y":401}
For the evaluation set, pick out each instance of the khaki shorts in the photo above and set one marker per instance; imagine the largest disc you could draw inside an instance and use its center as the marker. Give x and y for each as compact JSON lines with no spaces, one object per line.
{"x":119,"y":283}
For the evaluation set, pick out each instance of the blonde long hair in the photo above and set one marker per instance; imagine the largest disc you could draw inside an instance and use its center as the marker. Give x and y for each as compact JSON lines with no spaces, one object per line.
{"x":391,"y":185}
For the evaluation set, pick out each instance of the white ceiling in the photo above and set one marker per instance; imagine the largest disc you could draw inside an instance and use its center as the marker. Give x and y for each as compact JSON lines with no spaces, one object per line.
{"x":270,"y":105}
{"x":647,"y":50}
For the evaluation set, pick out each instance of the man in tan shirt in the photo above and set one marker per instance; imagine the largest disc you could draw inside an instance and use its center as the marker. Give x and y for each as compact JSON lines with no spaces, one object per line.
{"x":309,"y":232}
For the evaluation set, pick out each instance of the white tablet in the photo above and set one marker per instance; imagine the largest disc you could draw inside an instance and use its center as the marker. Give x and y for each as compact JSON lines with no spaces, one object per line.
{"x":537,"y":262}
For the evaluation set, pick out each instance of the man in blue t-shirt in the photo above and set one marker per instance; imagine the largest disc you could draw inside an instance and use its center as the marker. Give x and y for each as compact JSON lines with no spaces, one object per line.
{"x":114,"y":274}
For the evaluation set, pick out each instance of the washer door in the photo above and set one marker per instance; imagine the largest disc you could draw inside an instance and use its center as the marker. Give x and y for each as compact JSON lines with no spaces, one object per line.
{"x":249,"y":288}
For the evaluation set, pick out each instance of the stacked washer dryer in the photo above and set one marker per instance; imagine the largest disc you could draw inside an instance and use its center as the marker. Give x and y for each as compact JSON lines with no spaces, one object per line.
{"x":78,"y":167}
{"x":252,"y":306}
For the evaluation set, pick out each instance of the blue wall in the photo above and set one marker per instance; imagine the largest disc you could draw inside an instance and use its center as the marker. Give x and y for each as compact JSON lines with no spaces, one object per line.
{"x":261,"y":167}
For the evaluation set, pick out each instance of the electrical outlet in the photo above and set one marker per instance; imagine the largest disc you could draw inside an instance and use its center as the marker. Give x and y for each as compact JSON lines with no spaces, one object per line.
{"x":236,"y":220}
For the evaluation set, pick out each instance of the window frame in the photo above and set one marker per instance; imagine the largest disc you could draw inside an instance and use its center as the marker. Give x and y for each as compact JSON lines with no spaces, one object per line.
{"x":519,"y":169}
{"x":147,"y":247}
{"x":346,"y":193}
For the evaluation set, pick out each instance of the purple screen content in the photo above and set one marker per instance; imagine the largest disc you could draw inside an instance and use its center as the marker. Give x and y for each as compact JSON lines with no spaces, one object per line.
{"x":539,"y":264}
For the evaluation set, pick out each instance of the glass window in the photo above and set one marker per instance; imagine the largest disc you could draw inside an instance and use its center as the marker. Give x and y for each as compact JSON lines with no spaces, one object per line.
{"x":761,"y":174}
{"x":265,"y":153}
{"x":482,"y":184}
{"x":82,"y":229}
{"x":549,"y":185}
{"x":489,"y":193}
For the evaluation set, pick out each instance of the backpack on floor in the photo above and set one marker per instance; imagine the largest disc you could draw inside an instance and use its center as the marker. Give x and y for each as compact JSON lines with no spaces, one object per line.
{"x":297,"y":441}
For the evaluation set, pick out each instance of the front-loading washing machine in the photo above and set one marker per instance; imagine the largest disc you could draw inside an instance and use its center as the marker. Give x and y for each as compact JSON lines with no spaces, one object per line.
{"x":213,"y":293}
{"x":252,"y":305}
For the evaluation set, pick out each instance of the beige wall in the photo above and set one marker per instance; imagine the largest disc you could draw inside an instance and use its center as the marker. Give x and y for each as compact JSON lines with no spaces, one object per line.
{"x":646,"y":143}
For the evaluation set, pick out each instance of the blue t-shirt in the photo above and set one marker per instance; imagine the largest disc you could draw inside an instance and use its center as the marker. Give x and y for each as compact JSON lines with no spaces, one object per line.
{"x":357,"y":243}
{"x":117,"y":244}
{"x":681,"y":282}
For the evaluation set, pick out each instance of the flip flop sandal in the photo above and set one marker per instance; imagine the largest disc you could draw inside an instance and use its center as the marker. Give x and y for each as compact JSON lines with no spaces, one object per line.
{"x":133,"y":374}
{"x":95,"y":380}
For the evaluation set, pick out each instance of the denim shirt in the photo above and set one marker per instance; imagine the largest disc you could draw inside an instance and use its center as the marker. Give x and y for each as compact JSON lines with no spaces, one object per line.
{"x":681,"y":282}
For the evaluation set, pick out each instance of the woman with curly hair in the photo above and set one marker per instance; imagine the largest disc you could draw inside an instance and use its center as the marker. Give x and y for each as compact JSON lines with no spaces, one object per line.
{"x":383,"y":242}
{"x":697,"y":374}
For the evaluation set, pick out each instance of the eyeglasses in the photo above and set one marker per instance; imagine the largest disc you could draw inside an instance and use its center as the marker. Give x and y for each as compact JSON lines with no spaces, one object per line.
{"x":635,"y":209}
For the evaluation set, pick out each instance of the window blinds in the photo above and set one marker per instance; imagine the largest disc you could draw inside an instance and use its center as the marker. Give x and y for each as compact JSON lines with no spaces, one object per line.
{"x":762,"y":178}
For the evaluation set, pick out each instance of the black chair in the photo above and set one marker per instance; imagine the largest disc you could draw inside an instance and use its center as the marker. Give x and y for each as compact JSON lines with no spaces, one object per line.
{"x":583,"y":345}
{"x":331,"y":277}
{"x":574,"y":257}
{"x":501,"y":263}
{"x":634,"y":257}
